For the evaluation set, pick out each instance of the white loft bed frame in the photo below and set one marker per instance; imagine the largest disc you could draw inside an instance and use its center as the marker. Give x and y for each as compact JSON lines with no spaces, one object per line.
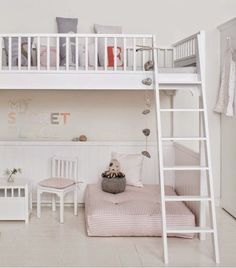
{"x":128,"y":77}
{"x":137,"y":50}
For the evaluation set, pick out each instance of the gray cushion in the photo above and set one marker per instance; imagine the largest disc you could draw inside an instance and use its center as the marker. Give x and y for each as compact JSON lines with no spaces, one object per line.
{"x":67,"y":25}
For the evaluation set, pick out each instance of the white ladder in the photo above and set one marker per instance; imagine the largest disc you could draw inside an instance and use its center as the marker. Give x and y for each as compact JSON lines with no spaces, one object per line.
{"x":208,"y":168}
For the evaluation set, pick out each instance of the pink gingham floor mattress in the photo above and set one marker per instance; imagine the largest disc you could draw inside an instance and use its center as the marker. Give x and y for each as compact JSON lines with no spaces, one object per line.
{"x":135,"y":212}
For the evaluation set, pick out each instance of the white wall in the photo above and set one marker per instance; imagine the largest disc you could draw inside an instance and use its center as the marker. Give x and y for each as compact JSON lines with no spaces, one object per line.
{"x":101,"y":116}
{"x":170,"y":20}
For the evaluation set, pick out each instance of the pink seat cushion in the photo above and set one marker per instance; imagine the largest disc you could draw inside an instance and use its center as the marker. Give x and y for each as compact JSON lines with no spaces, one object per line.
{"x":58,"y":183}
{"x":135,"y":212}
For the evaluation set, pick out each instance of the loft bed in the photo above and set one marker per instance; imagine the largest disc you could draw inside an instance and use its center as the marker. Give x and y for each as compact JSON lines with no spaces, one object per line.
{"x":117,"y":62}
{"x":91,"y":62}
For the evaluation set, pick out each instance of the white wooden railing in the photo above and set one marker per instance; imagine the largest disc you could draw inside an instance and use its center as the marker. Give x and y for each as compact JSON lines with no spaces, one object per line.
{"x":185,"y":51}
{"x":91,"y":49}
{"x":88,"y":52}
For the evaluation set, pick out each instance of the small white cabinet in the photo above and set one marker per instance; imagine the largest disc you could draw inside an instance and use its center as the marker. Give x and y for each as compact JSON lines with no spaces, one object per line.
{"x":228,"y":134}
{"x":15,"y":200}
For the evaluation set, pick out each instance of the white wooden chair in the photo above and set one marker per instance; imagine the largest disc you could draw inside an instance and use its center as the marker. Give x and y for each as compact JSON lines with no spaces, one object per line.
{"x":64,"y":179}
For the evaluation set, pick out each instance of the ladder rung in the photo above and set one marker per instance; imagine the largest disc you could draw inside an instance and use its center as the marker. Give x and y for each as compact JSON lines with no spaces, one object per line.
{"x":184,"y":139}
{"x":182,"y":110}
{"x":190,"y":230}
{"x":186,"y":168}
{"x":170,"y":198}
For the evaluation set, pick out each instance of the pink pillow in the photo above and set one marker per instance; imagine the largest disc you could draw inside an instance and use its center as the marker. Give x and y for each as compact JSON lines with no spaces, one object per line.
{"x":43,"y":56}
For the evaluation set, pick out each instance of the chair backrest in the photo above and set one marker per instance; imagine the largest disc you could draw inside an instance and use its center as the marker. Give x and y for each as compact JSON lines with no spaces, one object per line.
{"x":65,"y":167}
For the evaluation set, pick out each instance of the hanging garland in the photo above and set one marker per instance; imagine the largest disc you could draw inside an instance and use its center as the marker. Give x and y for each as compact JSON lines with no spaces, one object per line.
{"x":146,"y":131}
{"x":147,"y":109}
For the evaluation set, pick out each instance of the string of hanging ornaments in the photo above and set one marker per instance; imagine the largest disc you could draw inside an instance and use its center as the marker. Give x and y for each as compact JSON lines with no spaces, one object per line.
{"x":147,"y":108}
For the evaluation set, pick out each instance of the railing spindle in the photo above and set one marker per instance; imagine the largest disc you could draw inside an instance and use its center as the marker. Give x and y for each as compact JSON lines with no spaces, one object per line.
{"x":125,"y":54}
{"x":29,"y":52}
{"x":19,"y":53}
{"x":62,"y":168}
{"x":38,"y":53}
{"x":190,"y":47}
{"x":151,"y":54}
{"x":115,"y":54}
{"x":58,"y":168}
{"x":67,"y":53}
{"x":193,"y":46}
{"x":177,"y":52}
{"x":48,"y":53}
{"x":143,"y":54}
{"x":10,"y":53}
{"x":96,"y":53}
{"x":188,"y":52}
{"x":76,"y":53}
{"x":105,"y":53}
{"x":66,"y":169}
{"x":86,"y":53}
{"x":58,"y":53}
{"x":165,"y":58}
{"x":172,"y":57}
{"x":134,"y":54}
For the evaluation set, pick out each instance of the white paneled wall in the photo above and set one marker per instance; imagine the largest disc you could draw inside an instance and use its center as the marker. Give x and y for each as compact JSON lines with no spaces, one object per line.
{"x":34,"y":159}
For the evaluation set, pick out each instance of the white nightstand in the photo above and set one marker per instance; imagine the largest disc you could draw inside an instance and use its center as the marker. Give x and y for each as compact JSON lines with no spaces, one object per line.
{"x":15,"y":199}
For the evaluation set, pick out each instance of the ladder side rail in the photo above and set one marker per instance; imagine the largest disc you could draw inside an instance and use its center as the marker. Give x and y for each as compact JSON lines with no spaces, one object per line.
{"x":202,"y":70}
{"x":160,"y":153}
{"x":203,"y":179}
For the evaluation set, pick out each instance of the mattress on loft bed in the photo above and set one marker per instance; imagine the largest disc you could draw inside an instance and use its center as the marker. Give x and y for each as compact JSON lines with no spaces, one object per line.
{"x":180,"y":70}
{"x":135,"y":212}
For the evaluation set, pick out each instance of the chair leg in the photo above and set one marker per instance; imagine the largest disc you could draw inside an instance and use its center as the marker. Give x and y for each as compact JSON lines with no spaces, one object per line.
{"x":75,"y":201}
{"x":53,"y":202}
{"x":38,"y":203}
{"x":61,"y":208}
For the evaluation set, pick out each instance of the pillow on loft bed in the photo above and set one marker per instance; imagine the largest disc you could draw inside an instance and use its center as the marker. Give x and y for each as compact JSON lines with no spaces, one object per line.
{"x":103,"y":29}
{"x":67,"y":25}
{"x":53,"y":56}
{"x":14,"y":50}
{"x":43,"y":56}
{"x":131,"y":166}
{"x":91,"y":55}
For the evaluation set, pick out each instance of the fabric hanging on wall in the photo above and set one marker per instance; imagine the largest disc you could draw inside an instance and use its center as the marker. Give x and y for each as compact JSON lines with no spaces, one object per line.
{"x":226,"y":97}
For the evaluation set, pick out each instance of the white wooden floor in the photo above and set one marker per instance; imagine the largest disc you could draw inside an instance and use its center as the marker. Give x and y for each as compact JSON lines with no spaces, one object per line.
{"x":45,"y":242}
